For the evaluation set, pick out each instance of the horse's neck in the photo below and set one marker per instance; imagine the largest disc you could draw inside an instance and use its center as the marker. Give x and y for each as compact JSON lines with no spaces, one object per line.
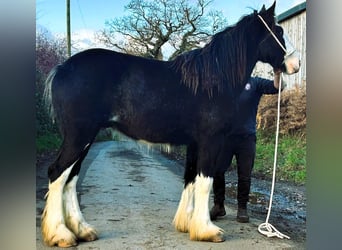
{"x":251,"y":62}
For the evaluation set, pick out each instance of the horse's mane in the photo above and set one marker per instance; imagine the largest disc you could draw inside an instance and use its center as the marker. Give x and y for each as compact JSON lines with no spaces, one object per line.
{"x":222,"y":61}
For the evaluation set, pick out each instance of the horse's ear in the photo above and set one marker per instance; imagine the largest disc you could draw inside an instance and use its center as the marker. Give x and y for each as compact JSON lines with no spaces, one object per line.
{"x":268,"y":14}
{"x":271,"y":9}
{"x":263,"y":9}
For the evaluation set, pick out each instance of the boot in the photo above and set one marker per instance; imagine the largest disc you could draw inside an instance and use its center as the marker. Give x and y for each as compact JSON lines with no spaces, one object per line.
{"x":242,"y":215}
{"x":216,"y":211}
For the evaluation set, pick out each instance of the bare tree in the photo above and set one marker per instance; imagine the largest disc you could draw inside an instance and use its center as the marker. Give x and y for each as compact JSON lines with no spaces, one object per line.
{"x":49,"y":51}
{"x":152,"y":24}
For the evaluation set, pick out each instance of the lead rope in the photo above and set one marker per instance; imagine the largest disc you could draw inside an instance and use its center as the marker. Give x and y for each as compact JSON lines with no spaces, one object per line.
{"x":266,"y":228}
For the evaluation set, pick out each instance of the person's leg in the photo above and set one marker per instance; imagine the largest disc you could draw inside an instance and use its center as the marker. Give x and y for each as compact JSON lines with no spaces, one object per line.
{"x":245,"y":161}
{"x":219,"y":186}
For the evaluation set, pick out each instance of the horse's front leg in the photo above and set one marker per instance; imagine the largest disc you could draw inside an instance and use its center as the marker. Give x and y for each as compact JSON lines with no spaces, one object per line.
{"x":201,"y":228}
{"x":209,"y":160}
{"x":193,"y":211}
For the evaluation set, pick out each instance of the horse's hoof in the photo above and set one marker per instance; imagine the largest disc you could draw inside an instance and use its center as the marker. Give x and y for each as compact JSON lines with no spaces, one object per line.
{"x":216,"y":235}
{"x":218,"y":238}
{"x":89,"y":234}
{"x":63,"y":242}
{"x":61,"y":237}
{"x":67,"y":243}
{"x":214,"y":238}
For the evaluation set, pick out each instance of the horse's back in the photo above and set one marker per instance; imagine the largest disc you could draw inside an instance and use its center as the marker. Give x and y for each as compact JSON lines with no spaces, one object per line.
{"x":100,"y":66}
{"x":92,"y":64}
{"x":136,"y":95}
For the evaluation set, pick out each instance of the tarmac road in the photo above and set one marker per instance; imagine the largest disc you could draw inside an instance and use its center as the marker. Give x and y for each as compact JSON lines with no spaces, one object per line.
{"x":130,"y":194}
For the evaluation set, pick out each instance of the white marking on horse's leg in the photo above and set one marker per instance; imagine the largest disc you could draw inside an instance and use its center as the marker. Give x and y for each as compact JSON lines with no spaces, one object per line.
{"x":54,"y":230}
{"x":201,"y":227}
{"x":185,"y":209}
{"x":73,"y":215}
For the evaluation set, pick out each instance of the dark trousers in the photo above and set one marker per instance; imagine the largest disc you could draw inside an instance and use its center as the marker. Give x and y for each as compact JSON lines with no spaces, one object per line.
{"x":243,"y":148}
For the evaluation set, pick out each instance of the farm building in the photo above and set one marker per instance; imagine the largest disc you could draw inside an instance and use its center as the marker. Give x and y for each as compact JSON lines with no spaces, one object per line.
{"x":293,"y":21}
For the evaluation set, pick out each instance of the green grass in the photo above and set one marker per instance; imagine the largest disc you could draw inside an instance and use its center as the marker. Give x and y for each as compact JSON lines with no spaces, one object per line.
{"x":291,"y":160}
{"x":48,"y":142}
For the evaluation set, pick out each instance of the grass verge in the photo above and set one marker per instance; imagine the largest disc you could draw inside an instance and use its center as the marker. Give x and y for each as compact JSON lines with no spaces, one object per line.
{"x":48,"y":142}
{"x":291,"y":159}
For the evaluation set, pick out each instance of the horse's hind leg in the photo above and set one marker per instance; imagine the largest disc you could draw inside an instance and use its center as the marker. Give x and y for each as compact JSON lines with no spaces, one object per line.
{"x":73,"y":215}
{"x":62,"y":221}
{"x":54,"y":230}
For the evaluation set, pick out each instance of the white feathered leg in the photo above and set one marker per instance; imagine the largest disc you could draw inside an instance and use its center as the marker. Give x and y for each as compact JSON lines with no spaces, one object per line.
{"x":185,"y":208}
{"x":73,"y":215}
{"x":201,"y":228}
{"x":54,"y":230}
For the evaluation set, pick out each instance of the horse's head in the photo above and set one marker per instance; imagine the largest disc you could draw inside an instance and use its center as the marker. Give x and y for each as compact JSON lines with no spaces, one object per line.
{"x":274,"y":47}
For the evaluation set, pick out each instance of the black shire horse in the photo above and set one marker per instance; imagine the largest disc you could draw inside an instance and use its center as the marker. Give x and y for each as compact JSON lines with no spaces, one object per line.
{"x":188,"y":101}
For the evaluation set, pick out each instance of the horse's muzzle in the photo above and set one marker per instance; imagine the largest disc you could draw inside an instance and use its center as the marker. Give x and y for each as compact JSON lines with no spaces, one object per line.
{"x":291,"y":63}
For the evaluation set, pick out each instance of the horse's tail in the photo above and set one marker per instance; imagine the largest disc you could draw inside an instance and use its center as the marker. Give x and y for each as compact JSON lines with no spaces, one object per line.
{"x":48,"y":93}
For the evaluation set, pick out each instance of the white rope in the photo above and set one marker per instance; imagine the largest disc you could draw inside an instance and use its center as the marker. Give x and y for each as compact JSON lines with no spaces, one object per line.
{"x":274,"y":36}
{"x":266,"y":228}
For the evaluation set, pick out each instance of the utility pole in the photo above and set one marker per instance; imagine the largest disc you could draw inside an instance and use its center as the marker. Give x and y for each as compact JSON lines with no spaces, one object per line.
{"x":68,"y":27}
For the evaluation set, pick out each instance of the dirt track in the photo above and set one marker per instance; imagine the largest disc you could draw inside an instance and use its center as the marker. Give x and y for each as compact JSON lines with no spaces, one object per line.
{"x":130,"y":194}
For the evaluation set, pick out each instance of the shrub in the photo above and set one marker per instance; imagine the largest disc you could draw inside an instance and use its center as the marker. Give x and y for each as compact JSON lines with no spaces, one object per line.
{"x":292,"y":112}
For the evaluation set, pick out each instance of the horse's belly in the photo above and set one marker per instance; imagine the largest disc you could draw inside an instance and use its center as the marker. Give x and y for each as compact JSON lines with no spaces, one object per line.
{"x":155,"y":127}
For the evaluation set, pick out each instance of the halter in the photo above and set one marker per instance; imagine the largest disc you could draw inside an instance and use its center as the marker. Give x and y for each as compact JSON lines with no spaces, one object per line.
{"x":277,"y":40}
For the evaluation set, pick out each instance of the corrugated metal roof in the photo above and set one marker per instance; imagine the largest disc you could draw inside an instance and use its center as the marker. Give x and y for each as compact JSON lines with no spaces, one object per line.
{"x":291,"y":12}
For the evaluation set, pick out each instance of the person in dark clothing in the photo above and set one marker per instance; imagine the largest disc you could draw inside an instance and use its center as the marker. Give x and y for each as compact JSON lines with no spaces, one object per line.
{"x":242,"y":145}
